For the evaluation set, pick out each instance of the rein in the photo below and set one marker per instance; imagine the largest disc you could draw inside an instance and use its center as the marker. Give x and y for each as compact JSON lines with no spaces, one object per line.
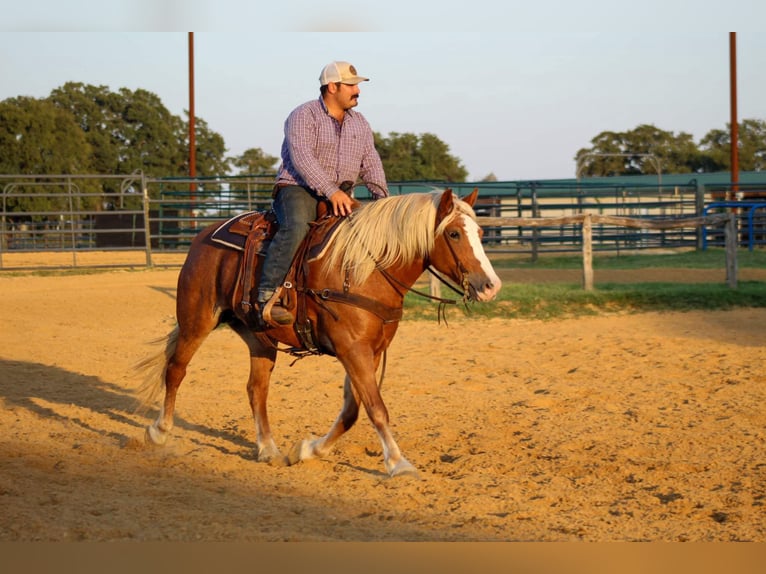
{"x":442,"y":309}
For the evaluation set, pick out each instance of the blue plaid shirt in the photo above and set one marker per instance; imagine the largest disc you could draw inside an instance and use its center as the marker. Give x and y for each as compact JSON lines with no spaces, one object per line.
{"x":320,"y":153}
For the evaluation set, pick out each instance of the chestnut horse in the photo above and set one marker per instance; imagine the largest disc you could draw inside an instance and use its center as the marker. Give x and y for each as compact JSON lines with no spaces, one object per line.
{"x":374,"y":258}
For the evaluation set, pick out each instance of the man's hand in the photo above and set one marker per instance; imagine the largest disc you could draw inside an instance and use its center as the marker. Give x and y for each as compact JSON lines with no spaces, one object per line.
{"x":342,"y":203}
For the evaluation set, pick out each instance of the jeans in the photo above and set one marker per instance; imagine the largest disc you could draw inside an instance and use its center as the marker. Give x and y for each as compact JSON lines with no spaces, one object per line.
{"x":295,"y":207}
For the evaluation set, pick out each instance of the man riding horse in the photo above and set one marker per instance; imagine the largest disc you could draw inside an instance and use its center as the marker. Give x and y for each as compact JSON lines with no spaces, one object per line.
{"x":326,"y":143}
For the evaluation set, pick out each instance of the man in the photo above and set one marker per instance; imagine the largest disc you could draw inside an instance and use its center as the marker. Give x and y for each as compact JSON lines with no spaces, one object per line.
{"x":326,"y":143}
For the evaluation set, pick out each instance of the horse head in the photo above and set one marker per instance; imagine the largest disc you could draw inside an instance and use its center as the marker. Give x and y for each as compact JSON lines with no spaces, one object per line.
{"x":458,"y":252}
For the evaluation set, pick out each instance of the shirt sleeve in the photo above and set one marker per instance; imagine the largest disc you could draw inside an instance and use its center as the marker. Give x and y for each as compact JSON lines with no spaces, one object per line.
{"x":302,"y":133}
{"x":371,"y":171}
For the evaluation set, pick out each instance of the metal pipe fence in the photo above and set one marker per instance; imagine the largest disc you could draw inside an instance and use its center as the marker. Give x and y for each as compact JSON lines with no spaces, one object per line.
{"x":155,"y":219}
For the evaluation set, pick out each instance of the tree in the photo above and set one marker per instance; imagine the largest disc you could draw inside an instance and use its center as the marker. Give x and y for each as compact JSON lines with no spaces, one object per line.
{"x":151,"y":138}
{"x":254,"y":161}
{"x":643,"y":150}
{"x":409,"y":157}
{"x":716,"y":147}
{"x":36,"y":137}
{"x":133,"y":130}
{"x":97,"y":111}
{"x":210,"y":150}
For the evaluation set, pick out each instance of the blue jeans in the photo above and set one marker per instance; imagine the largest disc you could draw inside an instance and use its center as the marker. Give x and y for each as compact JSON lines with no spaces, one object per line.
{"x":295,"y":207}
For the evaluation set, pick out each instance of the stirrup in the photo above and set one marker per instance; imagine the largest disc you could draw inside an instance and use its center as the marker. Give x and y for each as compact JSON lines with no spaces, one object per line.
{"x":274,"y":314}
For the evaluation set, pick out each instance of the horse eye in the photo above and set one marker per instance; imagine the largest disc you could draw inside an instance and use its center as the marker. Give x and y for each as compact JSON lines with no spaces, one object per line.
{"x":454,"y":235}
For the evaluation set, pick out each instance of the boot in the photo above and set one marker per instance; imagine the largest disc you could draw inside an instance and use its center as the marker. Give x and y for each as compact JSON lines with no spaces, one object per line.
{"x":273,"y":313}
{"x":280,"y":315}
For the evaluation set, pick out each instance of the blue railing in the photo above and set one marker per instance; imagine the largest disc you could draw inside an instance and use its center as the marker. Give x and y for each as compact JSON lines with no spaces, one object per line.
{"x":755,"y":226}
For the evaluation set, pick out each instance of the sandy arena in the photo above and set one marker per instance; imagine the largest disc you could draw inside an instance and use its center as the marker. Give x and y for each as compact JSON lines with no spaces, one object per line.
{"x":615,"y":428}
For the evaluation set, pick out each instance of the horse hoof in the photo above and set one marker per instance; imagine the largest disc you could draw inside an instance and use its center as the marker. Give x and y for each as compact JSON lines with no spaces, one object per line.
{"x":403,"y":468}
{"x":155,"y":437}
{"x":302,"y":450}
{"x":271,"y":457}
{"x":277,"y":460}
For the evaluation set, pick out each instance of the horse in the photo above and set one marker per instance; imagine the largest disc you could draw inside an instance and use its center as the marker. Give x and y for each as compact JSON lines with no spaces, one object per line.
{"x":353,"y":297}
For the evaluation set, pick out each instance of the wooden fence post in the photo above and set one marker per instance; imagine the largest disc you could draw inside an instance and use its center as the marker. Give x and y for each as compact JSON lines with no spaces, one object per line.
{"x":587,"y":252}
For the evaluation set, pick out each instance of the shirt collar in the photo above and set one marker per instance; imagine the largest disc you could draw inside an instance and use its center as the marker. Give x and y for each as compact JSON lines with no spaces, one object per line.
{"x":349,"y":112}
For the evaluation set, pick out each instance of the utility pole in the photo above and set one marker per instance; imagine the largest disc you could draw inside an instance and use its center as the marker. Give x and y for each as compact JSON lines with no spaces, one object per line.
{"x":734,"y":123}
{"x":192,"y":136}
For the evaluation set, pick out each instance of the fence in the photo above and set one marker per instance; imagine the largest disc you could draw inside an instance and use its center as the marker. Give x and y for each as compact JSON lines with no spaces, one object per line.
{"x":76,"y":214}
{"x":72,"y":215}
{"x":725,"y":220}
{"x":555,"y":199}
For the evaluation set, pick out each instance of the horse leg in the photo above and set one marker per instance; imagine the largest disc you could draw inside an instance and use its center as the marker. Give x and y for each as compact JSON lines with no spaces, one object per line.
{"x":317,"y":448}
{"x":197,"y":314}
{"x":262,"y":359}
{"x":395,"y":463}
{"x":360,"y":369}
{"x":179,"y":355}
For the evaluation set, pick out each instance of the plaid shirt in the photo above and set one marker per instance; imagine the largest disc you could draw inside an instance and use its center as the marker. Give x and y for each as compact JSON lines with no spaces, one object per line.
{"x":319,"y":153}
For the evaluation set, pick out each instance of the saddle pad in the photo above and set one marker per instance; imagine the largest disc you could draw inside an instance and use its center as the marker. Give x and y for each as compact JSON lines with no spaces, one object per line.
{"x":233,"y":232}
{"x":325,"y":230}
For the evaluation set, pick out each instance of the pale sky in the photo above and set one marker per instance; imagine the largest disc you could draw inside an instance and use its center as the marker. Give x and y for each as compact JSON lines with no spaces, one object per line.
{"x":514,"y":89}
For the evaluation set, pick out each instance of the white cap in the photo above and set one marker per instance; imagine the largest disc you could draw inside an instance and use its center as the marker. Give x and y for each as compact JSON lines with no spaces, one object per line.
{"x":342,"y":72}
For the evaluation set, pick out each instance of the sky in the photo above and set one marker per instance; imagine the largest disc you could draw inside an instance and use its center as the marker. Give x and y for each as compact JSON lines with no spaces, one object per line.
{"x":514,"y":89}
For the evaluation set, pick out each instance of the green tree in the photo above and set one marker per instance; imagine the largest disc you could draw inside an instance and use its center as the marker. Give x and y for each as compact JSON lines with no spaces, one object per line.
{"x":97,"y":111}
{"x":36,"y":137}
{"x":132,"y":130}
{"x":210,"y":150}
{"x":409,"y":157}
{"x":254,"y":161}
{"x":643,"y":150}
{"x":716,"y":147}
{"x":151,"y":138}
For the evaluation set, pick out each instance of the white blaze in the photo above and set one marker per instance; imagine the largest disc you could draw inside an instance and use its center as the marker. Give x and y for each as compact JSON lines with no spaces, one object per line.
{"x":474,"y":238}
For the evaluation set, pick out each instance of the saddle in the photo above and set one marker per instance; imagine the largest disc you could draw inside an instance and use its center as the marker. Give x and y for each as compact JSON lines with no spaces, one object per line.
{"x":251,"y":233}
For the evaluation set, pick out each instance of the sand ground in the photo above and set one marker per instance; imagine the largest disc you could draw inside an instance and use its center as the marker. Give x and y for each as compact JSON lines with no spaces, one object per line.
{"x":612,"y":428}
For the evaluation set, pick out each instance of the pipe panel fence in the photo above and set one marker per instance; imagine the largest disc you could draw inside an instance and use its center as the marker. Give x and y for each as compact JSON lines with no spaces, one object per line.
{"x":155,"y":219}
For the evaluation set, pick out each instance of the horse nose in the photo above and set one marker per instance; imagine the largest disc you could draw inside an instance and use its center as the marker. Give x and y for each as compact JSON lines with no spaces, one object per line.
{"x":489,"y":289}
{"x":492,"y":288}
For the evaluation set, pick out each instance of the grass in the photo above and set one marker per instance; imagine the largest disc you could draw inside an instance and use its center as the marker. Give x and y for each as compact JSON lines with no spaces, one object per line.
{"x":708,"y":259}
{"x":557,"y":300}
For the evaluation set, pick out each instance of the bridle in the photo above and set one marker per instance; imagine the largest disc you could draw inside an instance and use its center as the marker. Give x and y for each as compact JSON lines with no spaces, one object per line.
{"x":464,"y":283}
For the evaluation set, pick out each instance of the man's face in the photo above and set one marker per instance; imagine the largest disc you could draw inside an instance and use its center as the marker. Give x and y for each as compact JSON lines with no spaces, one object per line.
{"x":347,"y":96}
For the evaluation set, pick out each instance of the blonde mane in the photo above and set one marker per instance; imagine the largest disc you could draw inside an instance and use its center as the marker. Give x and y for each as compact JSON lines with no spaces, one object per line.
{"x":392,"y":230}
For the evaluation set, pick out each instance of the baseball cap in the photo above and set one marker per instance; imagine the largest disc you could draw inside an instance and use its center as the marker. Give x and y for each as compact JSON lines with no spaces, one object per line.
{"x":342,"y":72}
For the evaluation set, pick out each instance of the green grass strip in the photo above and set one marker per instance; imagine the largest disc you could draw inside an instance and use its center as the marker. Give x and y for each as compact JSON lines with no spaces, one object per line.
{"x":559,"y":300}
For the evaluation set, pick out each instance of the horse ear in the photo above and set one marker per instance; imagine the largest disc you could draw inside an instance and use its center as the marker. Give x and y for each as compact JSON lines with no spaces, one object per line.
{"x":471,"y":199}
{"x":446,"y":205}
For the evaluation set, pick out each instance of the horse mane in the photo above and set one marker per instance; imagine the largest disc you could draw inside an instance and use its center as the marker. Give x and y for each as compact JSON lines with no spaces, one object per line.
{"x":396,"y":229}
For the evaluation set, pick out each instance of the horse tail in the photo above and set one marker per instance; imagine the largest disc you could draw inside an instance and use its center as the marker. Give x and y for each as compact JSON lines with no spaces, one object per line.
{"x":154,"y":368}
